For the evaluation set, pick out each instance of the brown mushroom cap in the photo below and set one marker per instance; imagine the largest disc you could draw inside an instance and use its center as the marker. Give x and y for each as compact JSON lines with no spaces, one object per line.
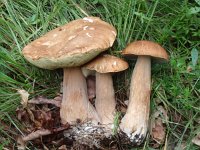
{"x":106,"y":64}
{"x":146,"y":48}
{"x":72,"y":44}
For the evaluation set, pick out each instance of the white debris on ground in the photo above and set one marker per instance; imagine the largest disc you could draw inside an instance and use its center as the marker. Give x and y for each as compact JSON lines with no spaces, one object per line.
{"x":88,"y":134}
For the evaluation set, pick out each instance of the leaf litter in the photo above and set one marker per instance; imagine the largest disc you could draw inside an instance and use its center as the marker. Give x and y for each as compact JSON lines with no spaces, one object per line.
{"x":41,"y":117}
{"x":157,"y":126}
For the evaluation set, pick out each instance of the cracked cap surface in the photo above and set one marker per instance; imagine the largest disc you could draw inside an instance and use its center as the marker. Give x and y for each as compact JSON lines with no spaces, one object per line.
{"x":107,"y":63}
{"x":146,"y":48}
{"x":72,"y":44}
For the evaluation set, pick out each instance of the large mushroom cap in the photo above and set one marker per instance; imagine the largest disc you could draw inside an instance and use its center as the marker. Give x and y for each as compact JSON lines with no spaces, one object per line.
{"x":72,"y":44}
{"x":146,"y":48}
{"x":106,"y":64}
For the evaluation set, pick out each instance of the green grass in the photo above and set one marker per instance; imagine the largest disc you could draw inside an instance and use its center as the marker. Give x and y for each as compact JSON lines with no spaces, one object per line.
{"x":175,"y":24}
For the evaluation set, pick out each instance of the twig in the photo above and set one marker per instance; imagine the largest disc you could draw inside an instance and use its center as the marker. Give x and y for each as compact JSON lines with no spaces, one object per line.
{"x":43,"y":132}
{"x":43,"y":100}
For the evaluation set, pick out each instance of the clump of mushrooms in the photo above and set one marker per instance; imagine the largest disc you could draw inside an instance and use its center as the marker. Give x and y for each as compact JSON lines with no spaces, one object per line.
{"x":135,"y":121}
{"x":69,"y":47}
{"x":105,"y":103}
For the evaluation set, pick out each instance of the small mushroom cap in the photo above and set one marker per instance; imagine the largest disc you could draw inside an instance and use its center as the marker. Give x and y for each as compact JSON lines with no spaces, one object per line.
{"x":72,"y":44}
{"x":106,"y":64}
{"x":146,"y":48}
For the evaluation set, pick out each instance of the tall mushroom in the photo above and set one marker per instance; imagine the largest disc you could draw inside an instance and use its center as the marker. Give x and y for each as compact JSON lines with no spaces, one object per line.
{"x":69,"y":47}
{"x":135,"y":121}
{"x":105,"y":96}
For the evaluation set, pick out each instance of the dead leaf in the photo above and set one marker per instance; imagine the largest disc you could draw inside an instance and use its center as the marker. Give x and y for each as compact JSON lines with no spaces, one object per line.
{"x":157,"y":128}
{"x":32,"y":117}
{"x":196,"y":140}
{"x":41,"y":117}
{"x":158,"y":131}
{"x":24,"y":97}
{"x":46,"y":119}
{"x":22,"y":115}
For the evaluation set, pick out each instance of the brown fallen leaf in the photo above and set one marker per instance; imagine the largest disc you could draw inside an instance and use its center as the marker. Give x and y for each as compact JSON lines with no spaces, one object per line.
{"x":158,"y":131}
{"x":196,"y":139}
{"x":44,"y":119}
{"x":22,"y":115}
{"x":26,"y":115}
{"x":39,"y":114}
{"x":157,"y":128}
{"x":41,"y":117}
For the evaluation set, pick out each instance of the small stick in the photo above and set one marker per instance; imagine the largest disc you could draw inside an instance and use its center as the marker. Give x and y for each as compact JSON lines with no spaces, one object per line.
{"x":42,"y":100}
{"x":43,"y":132}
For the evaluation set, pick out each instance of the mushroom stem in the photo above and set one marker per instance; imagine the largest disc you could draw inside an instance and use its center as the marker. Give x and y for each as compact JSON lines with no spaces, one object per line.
{"x":75,"y":104}
{"x":105,"y":98}
{"x":135,"y":121}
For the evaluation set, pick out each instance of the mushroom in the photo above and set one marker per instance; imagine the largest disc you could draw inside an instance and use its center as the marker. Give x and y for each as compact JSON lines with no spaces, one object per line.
{"x":135,"y":121}
{"x":69,"y":47}
{"x":105,"y":96}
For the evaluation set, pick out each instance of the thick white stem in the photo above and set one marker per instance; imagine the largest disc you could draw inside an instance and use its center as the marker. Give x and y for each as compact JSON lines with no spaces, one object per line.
{"x":75,"y":104}
{"x":135,"y":121}
{"x":105,"y":98}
